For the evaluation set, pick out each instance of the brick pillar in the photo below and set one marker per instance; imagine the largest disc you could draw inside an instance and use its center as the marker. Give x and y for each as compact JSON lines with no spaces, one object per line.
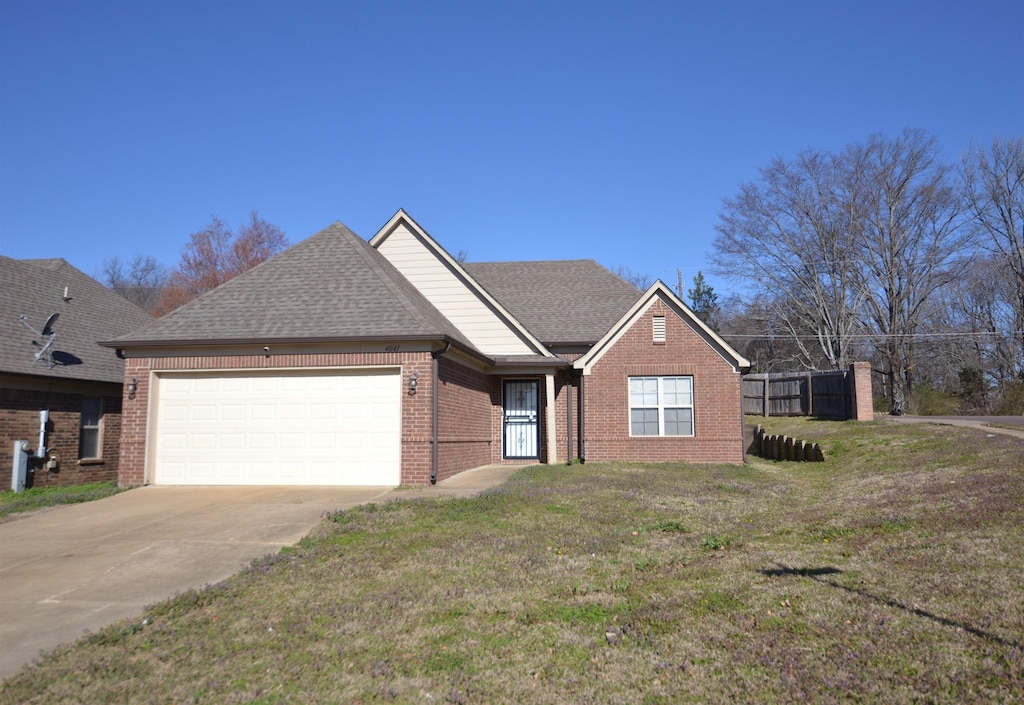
{"x":861,"y":400}
{"x":131,"y":470}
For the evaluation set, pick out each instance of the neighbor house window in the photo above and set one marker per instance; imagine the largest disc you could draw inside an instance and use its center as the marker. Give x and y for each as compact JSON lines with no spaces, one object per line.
{"x":90,"y":431}
{"x":661,"y":406}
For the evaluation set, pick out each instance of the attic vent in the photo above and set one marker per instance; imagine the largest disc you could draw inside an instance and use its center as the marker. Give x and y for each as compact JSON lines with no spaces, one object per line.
{"x":659,"y":329}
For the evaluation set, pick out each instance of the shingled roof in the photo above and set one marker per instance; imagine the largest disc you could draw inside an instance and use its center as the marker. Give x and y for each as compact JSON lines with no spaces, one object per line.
{"x":90,"y":313}
{"x":562,"y":301}
{"x":330,"y":287}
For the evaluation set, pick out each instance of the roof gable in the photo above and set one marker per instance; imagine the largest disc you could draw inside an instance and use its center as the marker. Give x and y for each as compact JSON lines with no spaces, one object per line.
{"x":659,"y":291}
{"x":89,"y":313}
{"x":331,"y":286}
{"x":482,"y":318}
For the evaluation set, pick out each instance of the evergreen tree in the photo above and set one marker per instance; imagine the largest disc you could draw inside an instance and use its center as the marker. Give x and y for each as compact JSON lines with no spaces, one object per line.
{"x":703,"y":299}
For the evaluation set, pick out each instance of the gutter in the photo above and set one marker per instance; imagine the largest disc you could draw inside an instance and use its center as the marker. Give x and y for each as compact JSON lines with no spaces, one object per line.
{"x":121,"y":346}
{"x":262,"y":340}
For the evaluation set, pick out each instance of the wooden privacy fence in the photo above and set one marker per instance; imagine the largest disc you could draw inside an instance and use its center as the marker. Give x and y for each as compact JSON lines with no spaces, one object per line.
{"x":824,"y":394}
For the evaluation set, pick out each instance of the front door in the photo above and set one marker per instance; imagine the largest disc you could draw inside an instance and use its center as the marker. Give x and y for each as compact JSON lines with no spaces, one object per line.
{"x":520,"y":423}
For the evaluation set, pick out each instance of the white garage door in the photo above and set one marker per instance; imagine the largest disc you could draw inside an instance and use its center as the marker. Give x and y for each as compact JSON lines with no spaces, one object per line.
{"x":278,"y":428}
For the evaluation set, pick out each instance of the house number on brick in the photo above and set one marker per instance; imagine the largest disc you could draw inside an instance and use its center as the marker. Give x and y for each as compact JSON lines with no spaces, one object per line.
{"x":391,"y":348}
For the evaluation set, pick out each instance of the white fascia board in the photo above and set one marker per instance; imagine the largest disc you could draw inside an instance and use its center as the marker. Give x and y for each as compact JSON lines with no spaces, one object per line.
{"x":460,"y":272}
{"x":513,"y":370}
{"x":660,"y":291}
{"x":390,"y":226}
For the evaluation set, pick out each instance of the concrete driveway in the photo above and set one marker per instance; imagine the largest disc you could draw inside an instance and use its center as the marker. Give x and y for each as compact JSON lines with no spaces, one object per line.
{"x":68,"y":570}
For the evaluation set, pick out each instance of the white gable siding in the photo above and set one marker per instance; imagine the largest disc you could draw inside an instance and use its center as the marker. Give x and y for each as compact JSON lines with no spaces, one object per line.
{"x":450,"y":295}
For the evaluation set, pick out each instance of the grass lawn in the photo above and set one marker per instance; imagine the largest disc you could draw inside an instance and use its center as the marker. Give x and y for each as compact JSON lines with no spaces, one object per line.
{"x":41,"y":497}
{"x":893,"y":572}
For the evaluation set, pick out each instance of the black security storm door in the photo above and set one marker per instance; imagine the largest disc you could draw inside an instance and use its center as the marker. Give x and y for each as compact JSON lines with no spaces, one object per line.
{"x":521,"y":430}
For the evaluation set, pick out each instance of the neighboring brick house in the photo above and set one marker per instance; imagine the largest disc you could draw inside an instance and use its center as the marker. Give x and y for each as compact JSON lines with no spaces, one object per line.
{"x":71,"y":377}
{"x":342,"y":361}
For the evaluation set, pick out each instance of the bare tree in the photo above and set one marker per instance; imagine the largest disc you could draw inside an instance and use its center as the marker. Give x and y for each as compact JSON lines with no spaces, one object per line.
{"x":753,"y":328}
{"x":141,"y":280}
{"x":981,"y":307}
{"x":908,"y":239}
{"x":787,"y":240}
{"x":843,"y":246}
{"x":215,"y":255}
{"x":638,"y":279}
{"x":993,"y":188}
{"x":255,"y":242}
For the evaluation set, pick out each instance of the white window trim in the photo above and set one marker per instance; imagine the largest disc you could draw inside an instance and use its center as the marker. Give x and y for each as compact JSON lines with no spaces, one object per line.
{"x":98,"y":428}
{"x":661,"y":406}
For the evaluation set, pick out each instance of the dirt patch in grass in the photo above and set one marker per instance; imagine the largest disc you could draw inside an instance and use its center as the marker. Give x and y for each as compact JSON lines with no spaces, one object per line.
{"x":890,"y":573}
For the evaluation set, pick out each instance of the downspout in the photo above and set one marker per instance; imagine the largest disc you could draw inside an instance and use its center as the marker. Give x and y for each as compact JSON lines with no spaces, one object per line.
{"x":583,"y":421}
{"x":44,"y":419}
{"x":568,"y":417}
{"x":743,"y":421}
{"x":433,"y":410}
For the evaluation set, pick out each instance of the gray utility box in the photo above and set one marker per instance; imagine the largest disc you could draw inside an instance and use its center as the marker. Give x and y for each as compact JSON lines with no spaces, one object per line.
{"x":20,"y":466}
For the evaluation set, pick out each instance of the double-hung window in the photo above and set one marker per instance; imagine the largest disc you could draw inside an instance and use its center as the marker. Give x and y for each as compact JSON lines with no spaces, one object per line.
{"x":91,"y":428}
{"x":661,"y":406}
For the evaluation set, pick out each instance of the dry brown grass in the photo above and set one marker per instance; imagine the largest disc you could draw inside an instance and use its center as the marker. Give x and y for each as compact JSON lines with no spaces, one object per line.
{"x":891,"y":573}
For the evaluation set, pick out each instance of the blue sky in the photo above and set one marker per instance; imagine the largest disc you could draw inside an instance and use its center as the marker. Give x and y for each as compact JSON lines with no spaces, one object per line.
{"x":511,"y":130}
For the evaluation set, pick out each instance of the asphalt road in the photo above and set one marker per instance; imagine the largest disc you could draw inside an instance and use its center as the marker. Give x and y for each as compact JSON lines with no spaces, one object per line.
{"x":992,"y":424}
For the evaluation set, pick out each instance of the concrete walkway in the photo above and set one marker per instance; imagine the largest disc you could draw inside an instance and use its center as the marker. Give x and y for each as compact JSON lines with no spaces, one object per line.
{"x":69,"y":570}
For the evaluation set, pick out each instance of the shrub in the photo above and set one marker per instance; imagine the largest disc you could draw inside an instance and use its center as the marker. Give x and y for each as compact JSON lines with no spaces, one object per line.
{"x":973,"y":391}
{"x":928,"y":401}
{"x":1012,"y":402}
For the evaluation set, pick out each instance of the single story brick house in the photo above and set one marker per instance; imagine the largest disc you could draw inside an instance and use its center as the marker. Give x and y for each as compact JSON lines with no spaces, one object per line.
{"x":342,"y":361}
{"x":54,"y":374}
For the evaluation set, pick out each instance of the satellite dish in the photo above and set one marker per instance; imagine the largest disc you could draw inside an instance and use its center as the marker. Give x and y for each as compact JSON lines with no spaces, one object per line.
{"x":48,"y":326}
{"x":47,"y":332}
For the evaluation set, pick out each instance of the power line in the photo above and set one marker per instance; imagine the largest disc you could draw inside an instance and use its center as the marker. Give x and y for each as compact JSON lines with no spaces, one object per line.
{"x":869,"y":336}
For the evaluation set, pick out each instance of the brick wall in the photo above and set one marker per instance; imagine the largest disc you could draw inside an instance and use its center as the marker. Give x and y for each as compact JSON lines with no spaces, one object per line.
{"x":464,"y":419}
{"x":562,"y":387}
{"x":470,"y":404}
{"x":133,"y":425}
{"x":417,"y":410}
{"x":717,"y":399}
{"x":566,"y":383}
{"x":19,"y":420}
{"x":463,"y":407}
